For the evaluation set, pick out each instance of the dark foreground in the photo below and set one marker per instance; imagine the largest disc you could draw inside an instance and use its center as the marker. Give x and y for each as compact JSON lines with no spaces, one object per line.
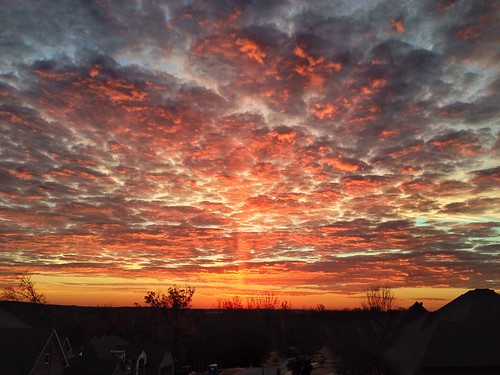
{"x":462,"y":337}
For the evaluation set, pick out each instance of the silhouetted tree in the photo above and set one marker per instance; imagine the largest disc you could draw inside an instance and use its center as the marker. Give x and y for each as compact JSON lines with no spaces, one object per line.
{"x":176,"y":300}
{"x":234,"y":303}
{"x":264,"y":301}
{"x":379,"y":298}
{"x":174,"y":304}
{"x":320,"y":307}
{"x":23,"y":291}
{"x":286,"y":305}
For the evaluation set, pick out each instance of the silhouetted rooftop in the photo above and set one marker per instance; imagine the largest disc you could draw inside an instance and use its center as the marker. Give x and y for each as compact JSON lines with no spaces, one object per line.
{"x":416,"y":311}
{"x":471,"y":344}
{"x":7,"y":320}
{"x":477,"y":304}
{"x":463,"y":333}
{"x":20,"y":349}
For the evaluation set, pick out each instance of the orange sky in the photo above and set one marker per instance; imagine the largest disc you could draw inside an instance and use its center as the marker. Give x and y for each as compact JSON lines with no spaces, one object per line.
{"x":124,"y":292}
{"x":307,"y":149}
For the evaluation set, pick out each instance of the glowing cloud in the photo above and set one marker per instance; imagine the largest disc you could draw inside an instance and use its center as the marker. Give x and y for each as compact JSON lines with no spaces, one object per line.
{"x":309,"y":150}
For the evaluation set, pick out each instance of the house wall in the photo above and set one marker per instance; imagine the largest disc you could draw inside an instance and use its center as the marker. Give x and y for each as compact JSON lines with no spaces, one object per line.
{"x":167,"y":364}
{"x":140,"y":365}
{"x":56,"y":363}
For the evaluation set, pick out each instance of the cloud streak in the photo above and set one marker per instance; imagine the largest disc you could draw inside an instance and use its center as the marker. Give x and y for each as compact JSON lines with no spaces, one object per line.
{"x":342,"y":145}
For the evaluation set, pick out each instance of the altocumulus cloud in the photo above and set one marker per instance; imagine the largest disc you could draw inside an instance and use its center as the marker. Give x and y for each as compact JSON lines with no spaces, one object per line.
{"x":342,"y":142}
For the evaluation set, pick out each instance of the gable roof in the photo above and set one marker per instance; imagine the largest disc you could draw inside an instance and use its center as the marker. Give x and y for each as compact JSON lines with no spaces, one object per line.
{"x":158,"y":356}
{"x":417,"y":310}
{"x":477,"y":304}
{"x":20,"y":348}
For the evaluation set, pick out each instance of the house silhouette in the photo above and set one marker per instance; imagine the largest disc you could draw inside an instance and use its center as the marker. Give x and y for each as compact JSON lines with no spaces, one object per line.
{"x":463,"y":337}
{"x":26,"y":350}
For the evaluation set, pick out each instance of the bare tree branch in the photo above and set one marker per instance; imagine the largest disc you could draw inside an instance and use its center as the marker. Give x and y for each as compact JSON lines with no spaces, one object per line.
{"x":379,"y":298}
{"x":23,"y":291}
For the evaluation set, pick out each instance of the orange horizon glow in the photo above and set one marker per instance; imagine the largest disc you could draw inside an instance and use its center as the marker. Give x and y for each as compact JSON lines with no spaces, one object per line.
{"x":203,"y":300}
{"x":118,"y":292}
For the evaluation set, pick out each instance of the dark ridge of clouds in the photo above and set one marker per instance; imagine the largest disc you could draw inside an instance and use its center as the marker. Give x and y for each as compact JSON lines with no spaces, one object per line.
{"x":472,"y":206}
{"x":485,"y":109}
{"x":482,"y":229}
{"x":474,"y":30}
{"x":493,"y":250}
{"x":486,"y":178}
{"x":68,"y":28}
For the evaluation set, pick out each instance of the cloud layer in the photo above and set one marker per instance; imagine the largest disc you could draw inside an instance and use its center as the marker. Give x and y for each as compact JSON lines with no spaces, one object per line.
{"x":302,"y":145}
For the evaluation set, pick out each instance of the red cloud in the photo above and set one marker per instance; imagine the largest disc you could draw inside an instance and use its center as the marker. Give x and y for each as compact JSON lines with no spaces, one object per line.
{"x":397,"y":25}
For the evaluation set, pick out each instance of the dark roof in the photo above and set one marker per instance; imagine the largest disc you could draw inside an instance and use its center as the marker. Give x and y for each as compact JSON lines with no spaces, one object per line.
{"x":102,"y":346}
{"x":416,"y":311}
{"x":155,"y":355}
{"x":20,"y":349}
{"x":465,"y":332}
{"x":134,"y":351}
{"x":97,"y":357}
{"x":82,"y":365}
{"x":7,"y":320}
{"x":477,"y":304}
{"x":470,"y":344}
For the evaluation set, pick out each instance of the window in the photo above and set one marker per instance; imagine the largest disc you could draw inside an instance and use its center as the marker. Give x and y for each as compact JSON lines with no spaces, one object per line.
{"x":47,"y":358}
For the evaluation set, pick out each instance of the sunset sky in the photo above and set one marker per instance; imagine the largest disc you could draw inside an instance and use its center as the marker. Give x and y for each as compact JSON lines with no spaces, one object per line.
{"x":306,"y":148}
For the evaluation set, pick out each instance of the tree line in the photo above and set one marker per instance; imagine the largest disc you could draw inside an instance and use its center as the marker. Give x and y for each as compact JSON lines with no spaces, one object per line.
{"x":377,"y":298}
{"x":265,"y":300}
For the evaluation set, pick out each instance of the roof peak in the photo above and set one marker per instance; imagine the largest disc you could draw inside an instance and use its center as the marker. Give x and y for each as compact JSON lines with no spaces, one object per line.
{"x":481,"y":291}
{"x":471,"y":305}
